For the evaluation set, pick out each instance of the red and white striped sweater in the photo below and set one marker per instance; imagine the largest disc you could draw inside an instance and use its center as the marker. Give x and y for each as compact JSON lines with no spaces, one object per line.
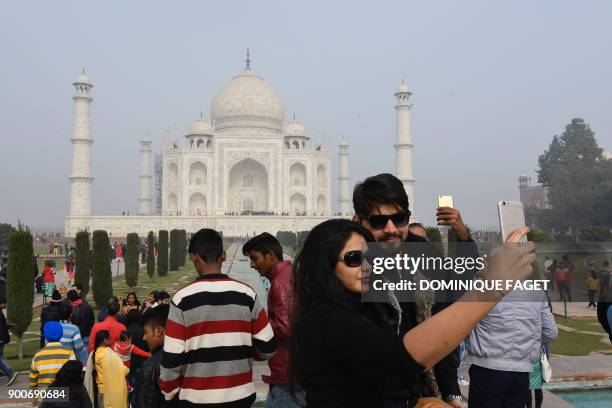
{"x":214,"y":327}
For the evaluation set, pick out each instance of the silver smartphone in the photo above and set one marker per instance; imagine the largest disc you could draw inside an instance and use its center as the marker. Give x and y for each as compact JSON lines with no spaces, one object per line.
{"x":511,"y":217}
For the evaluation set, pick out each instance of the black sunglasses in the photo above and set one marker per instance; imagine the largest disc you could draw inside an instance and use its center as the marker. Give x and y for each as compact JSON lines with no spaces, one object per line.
{"x":354,"y":258}
{"x":379,"y":221}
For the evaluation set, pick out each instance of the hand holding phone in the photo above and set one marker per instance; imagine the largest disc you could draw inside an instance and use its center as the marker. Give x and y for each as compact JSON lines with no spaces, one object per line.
{"x":511,"y":218}
{"x":446,"y":214}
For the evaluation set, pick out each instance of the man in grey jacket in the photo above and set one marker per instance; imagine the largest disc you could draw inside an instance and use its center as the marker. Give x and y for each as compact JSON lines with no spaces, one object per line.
{"x":504,"y":346}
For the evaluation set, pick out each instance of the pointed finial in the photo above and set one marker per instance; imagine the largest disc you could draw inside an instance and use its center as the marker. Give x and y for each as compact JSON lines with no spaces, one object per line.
{"x":294,"y":116}
{"x":248,"y":59}
{"x":201,"y":114}
{"x":83,"y":71}
{"x":402,"y":80}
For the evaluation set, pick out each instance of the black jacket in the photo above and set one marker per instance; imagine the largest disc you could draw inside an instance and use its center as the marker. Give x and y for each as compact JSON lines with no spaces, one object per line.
{"x":346,"y":360}
{"x":148,"y":393}
{"x":5,"y":336}
{"x":83,"y":317}
{"x":386,"y":316}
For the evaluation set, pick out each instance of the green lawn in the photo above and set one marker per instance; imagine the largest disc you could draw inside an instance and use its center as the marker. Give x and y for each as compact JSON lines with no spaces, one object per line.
{"x":170,"y":283}
{"x":591,"y":325}
{"x":579,"y":344}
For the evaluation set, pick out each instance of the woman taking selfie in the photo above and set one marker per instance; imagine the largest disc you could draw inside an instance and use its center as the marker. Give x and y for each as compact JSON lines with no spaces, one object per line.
{"x":339,"y":355}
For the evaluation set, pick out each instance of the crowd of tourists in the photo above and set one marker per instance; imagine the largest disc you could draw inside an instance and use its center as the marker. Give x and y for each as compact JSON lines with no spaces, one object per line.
{"x":324,"y":346}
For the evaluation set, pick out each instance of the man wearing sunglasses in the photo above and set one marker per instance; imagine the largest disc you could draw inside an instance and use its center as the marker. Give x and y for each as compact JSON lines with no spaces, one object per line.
{"x":381,"y":206}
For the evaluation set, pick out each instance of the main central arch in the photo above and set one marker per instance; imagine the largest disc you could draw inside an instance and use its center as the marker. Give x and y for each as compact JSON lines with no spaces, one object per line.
{"x":248,"y":189}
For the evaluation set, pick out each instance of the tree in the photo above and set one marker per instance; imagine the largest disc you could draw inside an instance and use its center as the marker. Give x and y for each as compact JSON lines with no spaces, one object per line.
{"x":538,"y":235}
{"x":162,"y":253}
{"x":5,"y":233}
{"x":102,"y":283}
{"x":20,"y":293}
{"x":82,"y":263}
{"x":579,"y":180}
{"x":131,"y":260}
{"x":174,"y":250}
{"x":151,"y":254}
{"x":594,"y":233}
{"x":183,"y":247}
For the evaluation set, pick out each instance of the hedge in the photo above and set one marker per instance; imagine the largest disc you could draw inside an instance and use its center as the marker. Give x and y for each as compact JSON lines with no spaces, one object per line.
{"x":151,"y":254}
{"x":131,"y":260}
{"x":20,"y":283}
{"x":183,"y":247}
{"x":175,"y":250}
{"x":82,"y":266}
{"x":162,"y":253}
{"x":102,"y":284}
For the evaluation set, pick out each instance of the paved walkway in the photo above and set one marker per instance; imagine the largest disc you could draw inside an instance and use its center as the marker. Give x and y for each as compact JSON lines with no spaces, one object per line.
{"x":578,"y":310}
{"x":117,"y":269}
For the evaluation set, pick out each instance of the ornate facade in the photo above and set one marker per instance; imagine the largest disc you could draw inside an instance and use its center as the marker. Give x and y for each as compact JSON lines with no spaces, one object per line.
{"x":246,"y":160}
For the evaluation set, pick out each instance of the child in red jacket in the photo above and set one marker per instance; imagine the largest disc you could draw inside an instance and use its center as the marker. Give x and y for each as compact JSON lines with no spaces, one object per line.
{"x":125,"y":348}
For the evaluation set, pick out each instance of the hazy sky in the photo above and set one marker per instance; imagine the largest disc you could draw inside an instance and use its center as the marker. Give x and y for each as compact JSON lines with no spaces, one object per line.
{"x":492,"y":83}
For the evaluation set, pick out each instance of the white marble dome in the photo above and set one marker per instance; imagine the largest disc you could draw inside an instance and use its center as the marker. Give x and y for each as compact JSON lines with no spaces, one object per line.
{"x":248,"y":101}
{"x":295,"y":128}
{"x":201,"y":126}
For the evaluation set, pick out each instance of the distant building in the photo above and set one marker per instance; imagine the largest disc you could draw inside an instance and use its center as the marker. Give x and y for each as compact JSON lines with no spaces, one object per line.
{"x":533,"y":197}
{"x":607,"y":155}
{"x":243,"y":171}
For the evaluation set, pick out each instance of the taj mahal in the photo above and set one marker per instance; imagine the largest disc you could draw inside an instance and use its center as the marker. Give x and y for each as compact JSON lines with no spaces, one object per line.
{"x":244,"y":171}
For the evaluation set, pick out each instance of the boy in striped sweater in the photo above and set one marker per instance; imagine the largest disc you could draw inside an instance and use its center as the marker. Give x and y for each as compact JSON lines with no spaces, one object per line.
{"x":48,"y":361}
{"x":71,"y":336}
{"x":214,"y":326}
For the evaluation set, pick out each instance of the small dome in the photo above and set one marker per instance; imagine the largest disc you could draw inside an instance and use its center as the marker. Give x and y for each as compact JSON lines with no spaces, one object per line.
{"x":82,"y":78}
{"x":295,"y":128}
{"x":403,"y":88}
{"x":201,"y":127}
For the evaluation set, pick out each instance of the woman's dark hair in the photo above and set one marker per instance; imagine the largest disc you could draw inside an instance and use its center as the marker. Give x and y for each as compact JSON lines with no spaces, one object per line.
{"x":70,"y":376}
{"x":100,"y":337}
{"x":99,"y":340}
{"x":136,"y":301}
{"x":155,"y":295}
{"x":315,"y":281}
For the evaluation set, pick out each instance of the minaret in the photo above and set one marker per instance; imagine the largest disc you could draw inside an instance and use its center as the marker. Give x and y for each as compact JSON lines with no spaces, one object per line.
{"x":145,"y":199}
{"x":80,"y":177}
{"x":344,"y":202}
{"x":403,"y":143}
